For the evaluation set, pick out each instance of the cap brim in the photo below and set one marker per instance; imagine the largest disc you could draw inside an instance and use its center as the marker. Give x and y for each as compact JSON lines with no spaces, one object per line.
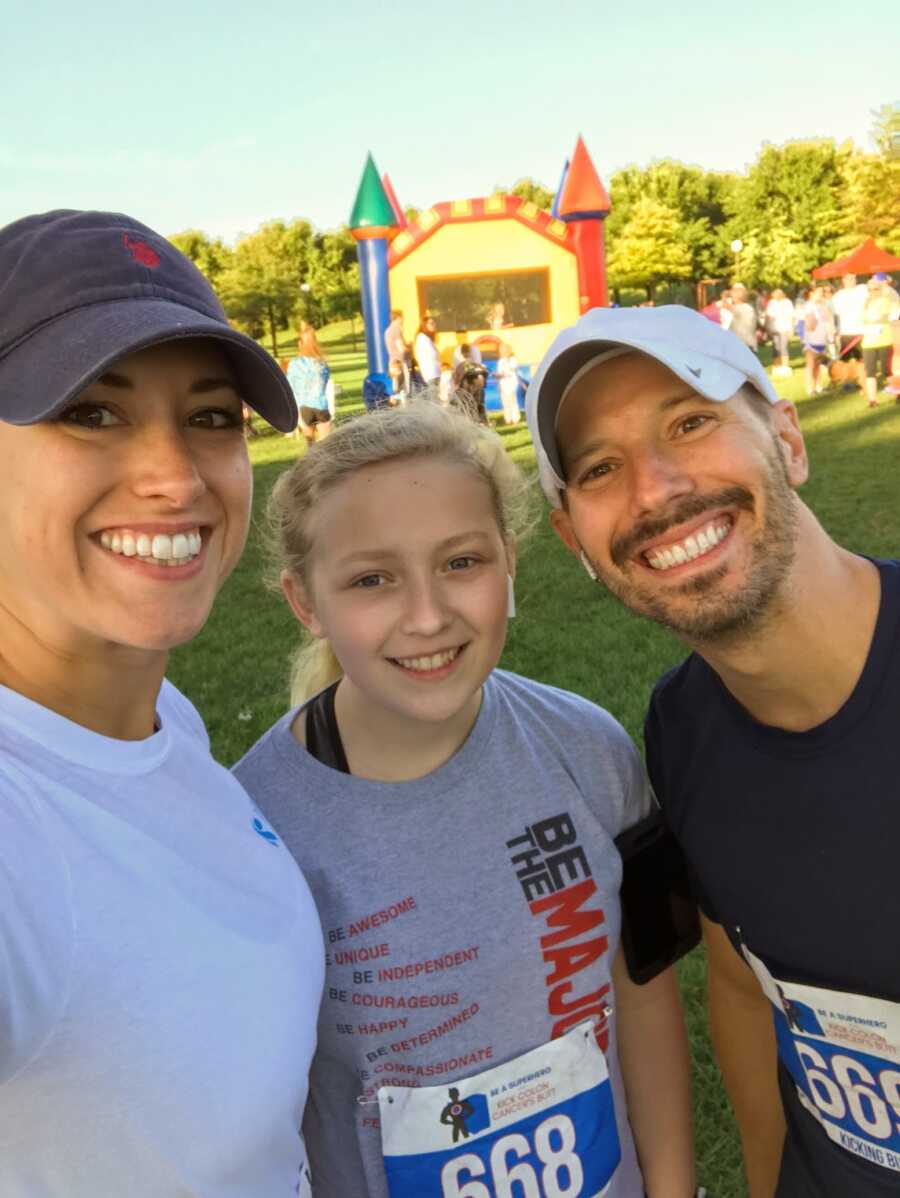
{"x":720,"y":383}
{"x":66,"y":355}
{"x":564,"y":367}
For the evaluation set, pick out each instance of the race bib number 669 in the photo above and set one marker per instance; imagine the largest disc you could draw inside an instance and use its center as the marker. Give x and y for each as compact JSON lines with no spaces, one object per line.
{"x":540,"y":1126}
{"x":843,"y":1053}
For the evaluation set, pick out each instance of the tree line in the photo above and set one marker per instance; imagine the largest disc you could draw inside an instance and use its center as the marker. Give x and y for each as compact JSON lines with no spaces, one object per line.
{"x":797,"y":206}
{"x":283,"y":273}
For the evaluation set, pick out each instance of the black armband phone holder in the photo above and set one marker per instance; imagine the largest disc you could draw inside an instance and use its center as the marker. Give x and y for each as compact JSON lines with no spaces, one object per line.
{"x":660,"y":921}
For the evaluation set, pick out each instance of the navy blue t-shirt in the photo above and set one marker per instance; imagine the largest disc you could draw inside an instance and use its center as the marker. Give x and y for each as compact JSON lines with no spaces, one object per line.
{"x":794,"y":842}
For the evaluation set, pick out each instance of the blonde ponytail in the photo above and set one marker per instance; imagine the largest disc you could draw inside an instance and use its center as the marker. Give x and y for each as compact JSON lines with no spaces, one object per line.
{"x":313,"y":667}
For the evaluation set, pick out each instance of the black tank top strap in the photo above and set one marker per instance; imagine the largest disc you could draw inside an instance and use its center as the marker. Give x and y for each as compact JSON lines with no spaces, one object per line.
{"x":323,"y":737}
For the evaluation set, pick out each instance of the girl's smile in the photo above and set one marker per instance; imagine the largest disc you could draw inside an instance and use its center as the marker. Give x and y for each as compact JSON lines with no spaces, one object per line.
{"x":433,"y":667}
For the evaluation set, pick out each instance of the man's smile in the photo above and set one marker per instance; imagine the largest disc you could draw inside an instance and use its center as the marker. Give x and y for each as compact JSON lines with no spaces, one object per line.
{"x":689,"y":516}
{"x":695,"y":544}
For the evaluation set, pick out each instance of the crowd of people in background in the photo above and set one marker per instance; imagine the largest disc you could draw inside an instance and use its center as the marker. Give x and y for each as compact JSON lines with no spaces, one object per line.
{"x":459,"y":379}
{"x":845,"y":333}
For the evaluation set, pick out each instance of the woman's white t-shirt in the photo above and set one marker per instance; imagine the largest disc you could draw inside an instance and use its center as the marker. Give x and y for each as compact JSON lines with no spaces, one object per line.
{"x":161,"y":964}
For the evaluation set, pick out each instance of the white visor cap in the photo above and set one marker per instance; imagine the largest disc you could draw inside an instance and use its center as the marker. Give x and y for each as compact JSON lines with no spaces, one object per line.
{"x":710,"y":359}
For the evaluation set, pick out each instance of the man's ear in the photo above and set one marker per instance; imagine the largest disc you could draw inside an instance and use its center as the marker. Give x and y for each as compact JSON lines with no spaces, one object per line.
{"x":561,"y":523}
{"x":300,"y":603}
{"x":789,"y":438}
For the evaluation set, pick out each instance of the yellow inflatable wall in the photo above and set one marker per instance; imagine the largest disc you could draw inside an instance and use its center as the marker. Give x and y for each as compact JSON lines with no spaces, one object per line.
{"x":500,"y":234}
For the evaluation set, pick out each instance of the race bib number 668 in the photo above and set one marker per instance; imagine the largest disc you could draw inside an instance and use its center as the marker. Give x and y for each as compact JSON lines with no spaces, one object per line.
{"x":545,"y":1164}
{"x":540,"y":1126}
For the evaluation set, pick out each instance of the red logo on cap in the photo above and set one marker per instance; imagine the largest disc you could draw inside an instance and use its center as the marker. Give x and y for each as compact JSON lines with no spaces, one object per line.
{"x":141,"y":252}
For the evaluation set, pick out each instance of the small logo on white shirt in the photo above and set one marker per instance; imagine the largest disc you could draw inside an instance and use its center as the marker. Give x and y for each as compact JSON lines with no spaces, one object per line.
{"x":266,"y":833}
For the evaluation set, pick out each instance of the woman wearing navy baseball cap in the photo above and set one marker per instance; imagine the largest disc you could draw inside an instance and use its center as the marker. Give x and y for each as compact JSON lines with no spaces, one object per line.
{"x":161,"y":959}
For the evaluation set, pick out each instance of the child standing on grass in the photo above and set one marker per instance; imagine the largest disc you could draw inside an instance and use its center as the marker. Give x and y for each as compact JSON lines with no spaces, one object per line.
{"x":456,"y":824}
{"x":508,"y":374}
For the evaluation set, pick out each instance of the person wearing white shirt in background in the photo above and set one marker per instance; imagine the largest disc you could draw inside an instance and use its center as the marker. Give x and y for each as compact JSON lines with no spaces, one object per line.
{"x":848,"y":304}
{"x":398,"y":357}
{"x":743,"y":321}
{"x":508,"y":374}
{"x":427,"y":356}
{"x":726,"y":309}
{"x":818,"y":329}
{"x":445,"y":385}
{"x":780,"y":323}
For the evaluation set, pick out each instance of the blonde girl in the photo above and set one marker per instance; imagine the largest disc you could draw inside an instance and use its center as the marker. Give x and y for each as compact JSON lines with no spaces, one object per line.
{"x":456,"y":825}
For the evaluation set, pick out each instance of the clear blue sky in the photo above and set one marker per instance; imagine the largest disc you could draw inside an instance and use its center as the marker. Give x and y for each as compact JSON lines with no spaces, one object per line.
{"x":222,"y":115}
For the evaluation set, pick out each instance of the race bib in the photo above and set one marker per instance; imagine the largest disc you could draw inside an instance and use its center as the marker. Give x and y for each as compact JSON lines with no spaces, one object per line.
{"x":541,"y":1126}
{"x":843,"y":1053}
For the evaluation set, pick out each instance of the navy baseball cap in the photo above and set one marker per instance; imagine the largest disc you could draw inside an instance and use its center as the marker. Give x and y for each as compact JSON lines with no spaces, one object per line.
{"x":79,"y":290}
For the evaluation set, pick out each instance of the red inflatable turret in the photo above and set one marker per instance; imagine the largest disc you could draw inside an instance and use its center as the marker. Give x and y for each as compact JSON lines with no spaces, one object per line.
{"x":582,"y":202}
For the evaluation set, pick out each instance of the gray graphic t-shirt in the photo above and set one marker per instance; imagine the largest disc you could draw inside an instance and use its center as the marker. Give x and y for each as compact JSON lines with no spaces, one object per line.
{"x":470,"y":916}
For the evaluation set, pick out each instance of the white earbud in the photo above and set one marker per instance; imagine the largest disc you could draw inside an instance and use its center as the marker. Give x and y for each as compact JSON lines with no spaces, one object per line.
{"x":510,"y":597}
{"x":586,"y":562}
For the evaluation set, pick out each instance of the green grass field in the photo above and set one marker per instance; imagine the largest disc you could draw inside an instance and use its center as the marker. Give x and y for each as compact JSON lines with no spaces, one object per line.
{"x":236,"y":671}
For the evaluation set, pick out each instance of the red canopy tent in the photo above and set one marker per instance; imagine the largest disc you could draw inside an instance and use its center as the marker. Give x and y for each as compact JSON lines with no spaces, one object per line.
{"x":865,"y":260}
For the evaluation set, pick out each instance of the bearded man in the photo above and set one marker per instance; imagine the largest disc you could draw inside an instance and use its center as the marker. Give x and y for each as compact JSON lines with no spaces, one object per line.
{"x":672,"y":469}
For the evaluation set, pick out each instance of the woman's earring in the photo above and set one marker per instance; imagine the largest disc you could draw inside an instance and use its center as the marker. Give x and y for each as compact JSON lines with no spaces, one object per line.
{"x":510,"y":597}
{"x":586,"y":562}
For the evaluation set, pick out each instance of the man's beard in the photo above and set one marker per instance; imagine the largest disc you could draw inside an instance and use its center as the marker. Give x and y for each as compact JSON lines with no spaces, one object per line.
{"x":714,"y":617}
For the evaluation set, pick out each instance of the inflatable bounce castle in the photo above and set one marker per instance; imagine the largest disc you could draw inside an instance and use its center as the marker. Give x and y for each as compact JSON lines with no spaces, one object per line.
{"x":490,"y":270}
